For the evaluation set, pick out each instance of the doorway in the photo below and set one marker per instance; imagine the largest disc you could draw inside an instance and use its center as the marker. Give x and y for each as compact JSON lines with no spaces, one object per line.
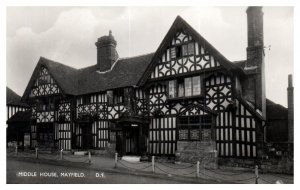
{"x":86,"y":135}
{"x":132,"y":141}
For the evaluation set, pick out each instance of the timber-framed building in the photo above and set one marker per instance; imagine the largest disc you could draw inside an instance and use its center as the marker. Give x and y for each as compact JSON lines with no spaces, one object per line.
{"x":185,"y":99}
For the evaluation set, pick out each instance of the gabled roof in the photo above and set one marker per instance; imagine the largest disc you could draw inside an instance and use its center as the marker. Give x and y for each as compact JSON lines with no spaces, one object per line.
{"x":13,"y":98}
{"x":133,"y":71}
{"x":125,"y":72}
{"x":178,"y":24}
{"x":64,"y":76}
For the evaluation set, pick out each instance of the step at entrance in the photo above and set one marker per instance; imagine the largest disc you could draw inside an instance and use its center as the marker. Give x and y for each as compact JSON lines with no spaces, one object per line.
{"x":131,"y":158}
{"x":80,"y":153}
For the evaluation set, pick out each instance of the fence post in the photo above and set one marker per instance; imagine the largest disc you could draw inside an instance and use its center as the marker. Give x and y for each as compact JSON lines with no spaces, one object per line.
{"x":61,"y":154}
{"x":36,"y":153}
{"x":153,"y":164}
{"x":256,"y":174}
{"x":17,"y":150}
{"x":116,"y":160}
{"x":90,"y":157}
{"x":198,"y":169}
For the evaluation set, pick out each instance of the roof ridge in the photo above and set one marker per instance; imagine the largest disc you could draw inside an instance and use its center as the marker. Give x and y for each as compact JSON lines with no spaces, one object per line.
{"x":50,"y":60}
{"x":136,"y":56}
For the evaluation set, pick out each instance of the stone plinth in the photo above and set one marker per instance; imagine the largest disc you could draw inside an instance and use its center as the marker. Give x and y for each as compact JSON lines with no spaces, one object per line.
{"x":203,"y":151}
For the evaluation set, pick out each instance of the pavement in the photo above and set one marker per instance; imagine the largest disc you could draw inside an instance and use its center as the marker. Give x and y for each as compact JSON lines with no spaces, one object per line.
{"x":180,"y":172}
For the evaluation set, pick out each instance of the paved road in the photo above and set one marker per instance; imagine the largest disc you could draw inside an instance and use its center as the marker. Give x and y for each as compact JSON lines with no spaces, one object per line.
{"x":60,"y":174}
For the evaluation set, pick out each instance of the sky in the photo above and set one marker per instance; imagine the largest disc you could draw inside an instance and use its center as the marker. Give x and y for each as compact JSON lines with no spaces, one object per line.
{"x":68,"y":35}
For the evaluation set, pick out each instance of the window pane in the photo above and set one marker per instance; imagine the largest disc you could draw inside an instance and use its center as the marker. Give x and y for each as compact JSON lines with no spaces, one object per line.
{"x":115,"y":99}
{"x":183,"y":120}
{"x":188,"y":86}
{"x":191,"y":48}
{"x":184,"y":50}
{"x":180,"y":89}
{"x":183,"y":134}
{"x":194,"y":119}
{"x":206,"y":134}
{"x":196,"y":85}
{"x":172,"y":91}
{"x":110,"y":96}
{"x":206,"y":119}
{"x":194,"y":134}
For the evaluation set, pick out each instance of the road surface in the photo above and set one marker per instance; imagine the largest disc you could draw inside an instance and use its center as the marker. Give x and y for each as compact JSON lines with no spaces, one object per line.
{"x":25,"y":172}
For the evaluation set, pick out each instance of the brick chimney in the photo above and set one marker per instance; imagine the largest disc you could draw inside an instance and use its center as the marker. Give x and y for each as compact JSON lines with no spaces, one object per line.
{"x":290,"y":96}
{"x":254,"y":85}
{"x":106,"y":52}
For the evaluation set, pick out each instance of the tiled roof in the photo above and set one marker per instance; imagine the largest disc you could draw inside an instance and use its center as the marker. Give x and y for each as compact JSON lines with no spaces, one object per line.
{"x":241,"y":64}
{"x":125,"y":72}
{"x":20,"y":116}
{"x":13,"y":98}
{"x":275,"y":111}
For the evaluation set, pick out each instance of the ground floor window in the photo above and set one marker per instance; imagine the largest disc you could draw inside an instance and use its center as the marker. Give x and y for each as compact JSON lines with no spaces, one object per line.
{"x":45,"y":133}
{"x":195,"y":128}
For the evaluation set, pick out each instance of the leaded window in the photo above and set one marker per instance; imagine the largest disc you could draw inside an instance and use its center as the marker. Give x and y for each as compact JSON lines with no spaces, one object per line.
{"x":180,"y":89}
{"x":191,"y":48}
{"x":185,"y":50}
{"x":194,"y":128}
{"x":118,"y":96}
{"x":179,"y":51}
{"x":172,"y":88}
{"x":190,"y":86}
{"x":196,"y":85}
{"x":46,"y":105}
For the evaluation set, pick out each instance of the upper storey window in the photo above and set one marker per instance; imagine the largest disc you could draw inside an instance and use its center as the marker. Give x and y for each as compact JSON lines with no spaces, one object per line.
{"x":172,"y":89}
{"x":182,"y":50}
{"x":44,"y":78}
{"x":188,"y":49}
{"x":186,"y":87}
{"x":118,"y":96}
{"x":46,"y":105}
{"x":115,"y":96}
{"x":84,"y":100}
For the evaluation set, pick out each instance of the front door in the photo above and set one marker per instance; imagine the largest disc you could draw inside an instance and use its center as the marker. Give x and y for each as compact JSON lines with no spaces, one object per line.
{"x":132,"y":141}
{"x":87,"y":137}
